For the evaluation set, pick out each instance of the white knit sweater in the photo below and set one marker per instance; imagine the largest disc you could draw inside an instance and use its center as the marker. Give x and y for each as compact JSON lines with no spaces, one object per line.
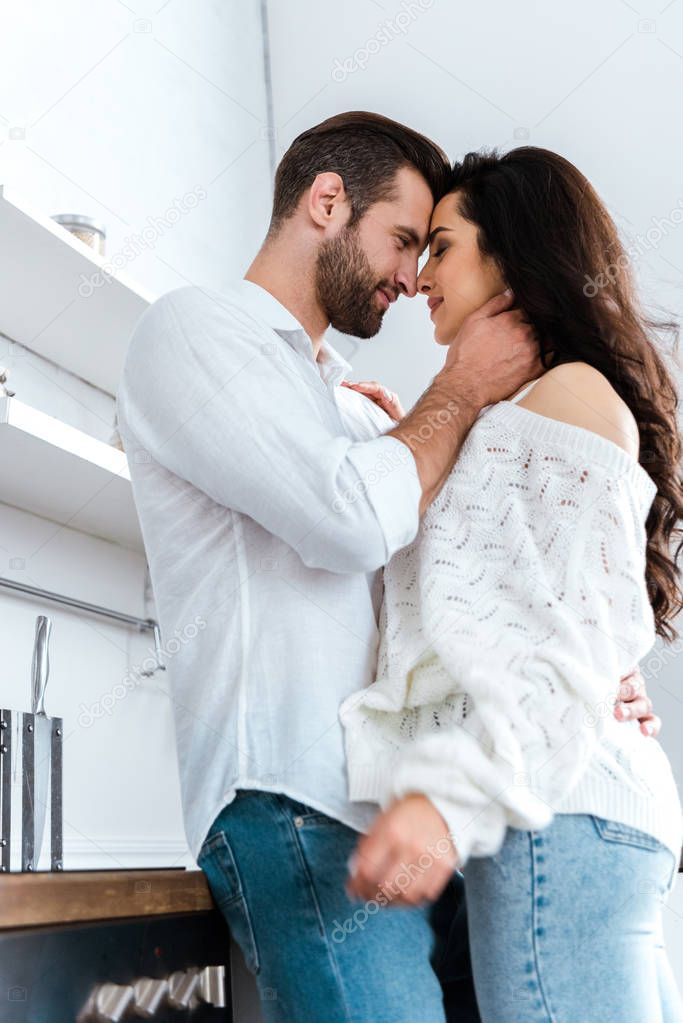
{"x":505,"y":629}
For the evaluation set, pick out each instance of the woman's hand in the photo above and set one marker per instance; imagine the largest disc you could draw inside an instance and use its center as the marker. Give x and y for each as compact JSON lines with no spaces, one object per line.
{"x":635,"y":705}
{"x":387,"y":400}
{"x":408,"y":854}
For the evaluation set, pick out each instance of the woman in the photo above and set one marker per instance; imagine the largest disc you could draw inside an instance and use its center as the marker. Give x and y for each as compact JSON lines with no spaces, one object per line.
{"x":540,"y":574}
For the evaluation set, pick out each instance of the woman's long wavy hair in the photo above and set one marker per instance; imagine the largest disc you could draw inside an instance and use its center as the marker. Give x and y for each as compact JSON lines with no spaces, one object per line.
{"x":559,"y":250}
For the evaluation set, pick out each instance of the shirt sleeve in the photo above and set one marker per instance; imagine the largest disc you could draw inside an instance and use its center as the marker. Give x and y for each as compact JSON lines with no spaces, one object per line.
{"x":540,"y":683}
{"x":218,"y":403}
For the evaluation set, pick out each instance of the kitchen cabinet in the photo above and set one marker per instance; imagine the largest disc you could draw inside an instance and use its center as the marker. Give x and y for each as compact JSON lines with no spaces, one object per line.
{"x":65,"y":475}
{"x":142,"y":944}
{"x":63,"y":300}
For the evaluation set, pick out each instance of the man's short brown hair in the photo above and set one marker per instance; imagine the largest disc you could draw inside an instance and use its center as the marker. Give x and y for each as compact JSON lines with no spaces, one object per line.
{"x":366,"y":150}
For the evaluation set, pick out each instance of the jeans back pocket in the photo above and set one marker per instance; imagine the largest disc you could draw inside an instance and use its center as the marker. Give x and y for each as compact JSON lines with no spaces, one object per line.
{"x":624,"y":834}
{"x":217,"y":861}
{"x":614,"y":831}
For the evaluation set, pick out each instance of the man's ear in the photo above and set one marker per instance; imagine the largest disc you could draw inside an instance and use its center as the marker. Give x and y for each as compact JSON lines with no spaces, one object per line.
{"x":327,"y":201}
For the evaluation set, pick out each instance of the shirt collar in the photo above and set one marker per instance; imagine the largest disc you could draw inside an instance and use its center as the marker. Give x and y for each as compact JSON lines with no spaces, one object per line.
{"x":333,"y":367}
{"x":264,"y":306}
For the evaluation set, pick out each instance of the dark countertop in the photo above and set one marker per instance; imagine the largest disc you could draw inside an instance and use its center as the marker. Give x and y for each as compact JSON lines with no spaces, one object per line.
{"x":44,"y":897}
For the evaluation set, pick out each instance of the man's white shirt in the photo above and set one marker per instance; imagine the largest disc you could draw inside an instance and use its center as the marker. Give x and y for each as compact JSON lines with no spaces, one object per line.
{"x":269,"y":501}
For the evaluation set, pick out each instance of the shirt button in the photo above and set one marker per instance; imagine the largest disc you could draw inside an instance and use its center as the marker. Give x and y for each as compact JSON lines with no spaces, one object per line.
{"x":298,"y":822}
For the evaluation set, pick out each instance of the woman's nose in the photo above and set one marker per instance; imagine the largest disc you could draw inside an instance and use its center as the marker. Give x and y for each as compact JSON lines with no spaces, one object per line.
{"x":423,"y":282}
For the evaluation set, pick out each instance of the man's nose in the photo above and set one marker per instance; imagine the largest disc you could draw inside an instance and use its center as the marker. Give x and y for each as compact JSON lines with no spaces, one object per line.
{"x":406,"y":282}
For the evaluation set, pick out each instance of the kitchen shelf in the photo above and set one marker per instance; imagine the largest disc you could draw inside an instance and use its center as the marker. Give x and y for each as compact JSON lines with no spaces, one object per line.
{"x":42,"y":267}
{"x":64,"y":474}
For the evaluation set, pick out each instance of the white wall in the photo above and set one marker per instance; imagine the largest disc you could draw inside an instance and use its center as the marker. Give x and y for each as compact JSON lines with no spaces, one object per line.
{"x":123,"y":113}
{"x":579,"y":78}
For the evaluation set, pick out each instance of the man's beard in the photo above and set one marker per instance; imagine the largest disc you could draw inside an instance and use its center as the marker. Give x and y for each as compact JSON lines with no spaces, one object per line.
{"x":346,"y":286}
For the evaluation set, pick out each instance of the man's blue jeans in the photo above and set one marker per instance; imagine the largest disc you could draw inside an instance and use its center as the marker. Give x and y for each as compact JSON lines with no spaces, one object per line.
{"x":277,"y":870}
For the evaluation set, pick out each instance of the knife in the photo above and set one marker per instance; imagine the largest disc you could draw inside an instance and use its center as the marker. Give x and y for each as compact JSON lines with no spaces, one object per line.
{"x":40,"y":669}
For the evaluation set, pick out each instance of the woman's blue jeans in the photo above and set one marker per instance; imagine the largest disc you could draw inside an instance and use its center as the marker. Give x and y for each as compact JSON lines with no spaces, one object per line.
{"x":565,"y":926}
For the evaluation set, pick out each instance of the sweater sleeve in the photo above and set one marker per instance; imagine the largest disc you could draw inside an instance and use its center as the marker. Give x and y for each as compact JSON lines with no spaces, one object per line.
{"x":562,"y":615}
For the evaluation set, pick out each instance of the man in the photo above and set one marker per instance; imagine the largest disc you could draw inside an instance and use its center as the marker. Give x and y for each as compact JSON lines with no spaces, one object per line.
{"x":269,"y":499}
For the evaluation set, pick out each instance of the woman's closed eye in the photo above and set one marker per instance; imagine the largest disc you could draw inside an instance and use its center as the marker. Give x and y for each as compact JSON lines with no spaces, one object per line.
{"x":438,"y":252}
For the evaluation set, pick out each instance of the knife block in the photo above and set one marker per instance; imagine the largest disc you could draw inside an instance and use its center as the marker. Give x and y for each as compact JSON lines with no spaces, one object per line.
{"x":17,"y":793}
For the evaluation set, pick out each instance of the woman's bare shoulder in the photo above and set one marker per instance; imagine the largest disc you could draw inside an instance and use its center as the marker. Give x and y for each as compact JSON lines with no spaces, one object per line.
{"x":581,"y":395}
